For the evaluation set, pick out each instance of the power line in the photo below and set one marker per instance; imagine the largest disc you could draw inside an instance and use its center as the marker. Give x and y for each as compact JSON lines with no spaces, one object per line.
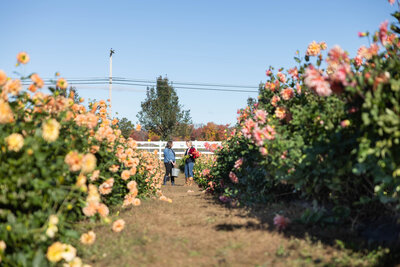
{"x":123,"y":82}
{"x":122,"y":79}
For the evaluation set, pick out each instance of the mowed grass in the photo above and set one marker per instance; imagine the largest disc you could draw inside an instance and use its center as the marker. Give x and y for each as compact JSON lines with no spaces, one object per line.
{"x":194,"y":230}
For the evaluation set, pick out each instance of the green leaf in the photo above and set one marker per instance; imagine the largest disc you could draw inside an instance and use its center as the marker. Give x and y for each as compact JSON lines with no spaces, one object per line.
{"x":39,"y":259}
{"x":72,"y":234}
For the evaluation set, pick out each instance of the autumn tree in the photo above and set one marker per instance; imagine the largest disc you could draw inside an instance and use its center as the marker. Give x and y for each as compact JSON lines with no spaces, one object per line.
{"x":210,"y":132}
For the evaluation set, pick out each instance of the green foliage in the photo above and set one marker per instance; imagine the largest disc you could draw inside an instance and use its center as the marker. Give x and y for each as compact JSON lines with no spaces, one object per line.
{"x":126,"y":127}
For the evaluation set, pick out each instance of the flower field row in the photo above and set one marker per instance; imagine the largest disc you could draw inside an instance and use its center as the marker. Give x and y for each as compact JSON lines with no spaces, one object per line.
{"x":326,"y":130}
{"x":61,"y":163}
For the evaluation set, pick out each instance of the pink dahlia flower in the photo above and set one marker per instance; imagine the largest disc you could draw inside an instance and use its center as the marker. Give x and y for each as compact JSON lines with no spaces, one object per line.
{"x":281,"y":222}
{"x":316,"y":82}
{"x":233,"y":178}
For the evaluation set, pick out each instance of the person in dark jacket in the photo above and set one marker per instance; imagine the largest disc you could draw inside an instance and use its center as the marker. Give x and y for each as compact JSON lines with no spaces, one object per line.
{"x":189,"y":163}
{"x":169,"y":162}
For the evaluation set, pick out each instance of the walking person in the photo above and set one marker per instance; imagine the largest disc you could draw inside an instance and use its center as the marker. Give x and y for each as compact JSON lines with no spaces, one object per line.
{"x":169,"y":162}
{"x":189,"y":163}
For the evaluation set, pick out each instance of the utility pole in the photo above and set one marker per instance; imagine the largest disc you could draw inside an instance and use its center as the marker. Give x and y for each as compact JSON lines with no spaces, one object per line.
{"x":110,"y":93}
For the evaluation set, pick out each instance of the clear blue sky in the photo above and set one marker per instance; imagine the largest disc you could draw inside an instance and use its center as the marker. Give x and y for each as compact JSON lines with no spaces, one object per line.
{"x":208,"y":41}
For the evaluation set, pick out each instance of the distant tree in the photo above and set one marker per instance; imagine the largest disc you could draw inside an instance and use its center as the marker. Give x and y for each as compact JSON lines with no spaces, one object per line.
{"x":251,"y":101}
{"x":140,"y":135}
{"x":183,"y":131}
{"x":161,"y":113}
{"x":126,"y":127}
{"x":210,"y":132}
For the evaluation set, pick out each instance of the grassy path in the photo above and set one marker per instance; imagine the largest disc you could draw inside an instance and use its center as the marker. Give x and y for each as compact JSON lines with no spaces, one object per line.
{"x":194,"y":230}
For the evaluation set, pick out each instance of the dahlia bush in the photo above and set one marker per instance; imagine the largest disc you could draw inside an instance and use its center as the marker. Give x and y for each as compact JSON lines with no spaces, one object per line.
{"x":327,"y":129}
{"x":202,"y":169}
{"x":60,"y":163}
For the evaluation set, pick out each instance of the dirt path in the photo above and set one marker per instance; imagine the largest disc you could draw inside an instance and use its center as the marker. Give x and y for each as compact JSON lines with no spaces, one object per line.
{"x":194,"y":230}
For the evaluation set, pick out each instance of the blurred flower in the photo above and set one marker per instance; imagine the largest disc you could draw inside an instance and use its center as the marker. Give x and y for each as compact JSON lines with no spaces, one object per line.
{"x":373,"y":49}
{"x":53,"y":219}
{"x":233,"y":178}
{"x":345,"y":123}
{"x":51,"y":130}
{"x":205,"y":172}
{"x":94,"y":149}
{"x":125,"y":175}
{"x":74,"y":160}
{"x":81,"y":181}
{"x":129,"y":199}
{"x":95,"y":175}
{"x":118,"y":225}
{"x":62,"y":83}
{"x":269,"y":132}
{"x":106,"y":187}
{"x":14,"y":142}
{"x":281,"y":77}
{"x":132,"y":186}
{"x":113,"y":168}
{"x":362,"y":34}
{"x":90,"y":209}
{"x":103,"y":210}
{"x":238,"y":163}
{"x":336,"y":58}
{"x":138,"y":127}
{"x":313,"y":49}
{"x":383,"y":32}
{"x":3,"y":77}
{"x":323,"y":45}
{"x":261,"y":115}
{"x":32,"y":88}
{"x":69,"y":253}
{"x":298,"y":88}
{"x":287,"y":94}
{"x":22,"y":57}
{"x":358,"y":60}
{"x":55,"y":252}
{"x":274,"y":100}
{"x":280,"y":113}
{"x":136,"y":202}
{"x":270,"y":86}
{"x":133,"y":171}
{"x":75,"y":262}
{"x":51,"y":231}
{"x":37,"y":80}
{"x":13,"y":86}
{"x":88,"y":163}
{"x":263,"y":151}
{"x":294,"y":73}
{"x":363,"y":52}
{"x":89,"y":120}
{"x":281,"y":222}
{"x":88,"y":238}
{"x":316,"y":82}
{"x":93,"y":194}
